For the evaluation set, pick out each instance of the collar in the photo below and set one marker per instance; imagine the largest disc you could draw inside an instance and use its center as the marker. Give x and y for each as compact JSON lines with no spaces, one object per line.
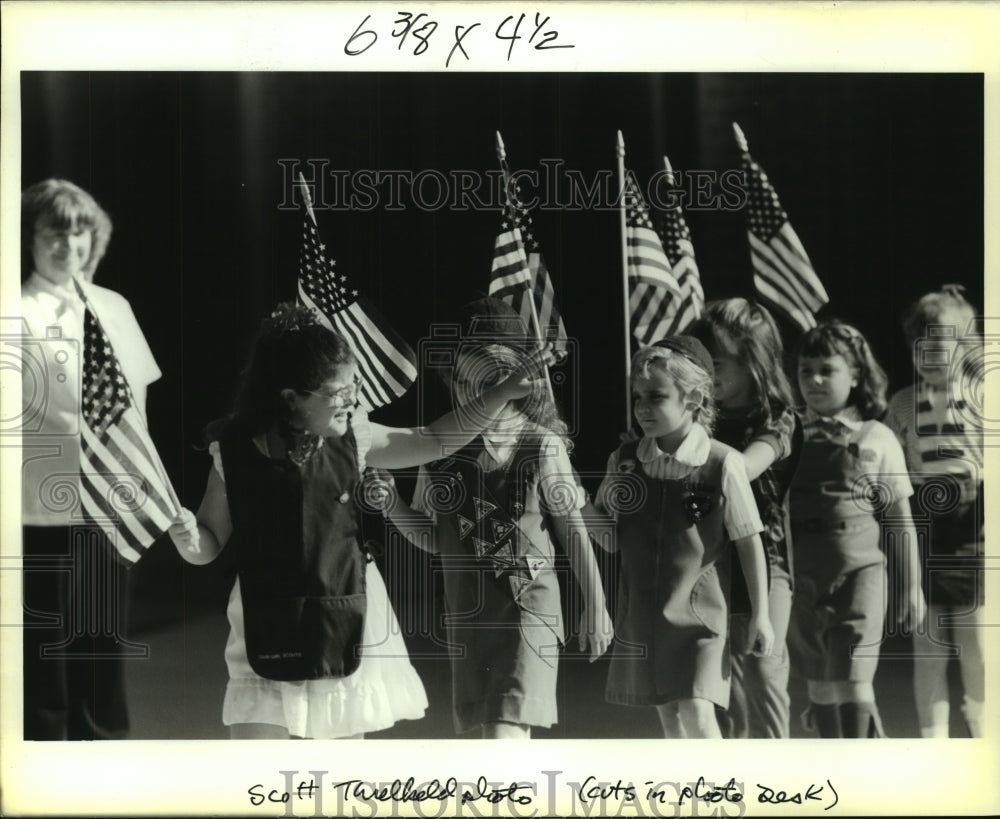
{"x":848,"y":417}
{"x":692,"y":452}
{"x":65,"y":293}
{"x":495,"y":441}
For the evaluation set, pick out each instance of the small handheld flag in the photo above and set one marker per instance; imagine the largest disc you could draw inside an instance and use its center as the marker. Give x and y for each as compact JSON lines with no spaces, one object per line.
{"x":654,"y":294}
{"x":387,"y":364}
{"x":519,"y":274}
{"x":676,"y":238}
{"x":123,"y":485}
{"x":782,"y":272}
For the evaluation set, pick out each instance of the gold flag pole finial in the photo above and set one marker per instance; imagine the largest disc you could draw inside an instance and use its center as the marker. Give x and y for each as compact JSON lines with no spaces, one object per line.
{"x":741,"y":139}
{"x":307,"y":199}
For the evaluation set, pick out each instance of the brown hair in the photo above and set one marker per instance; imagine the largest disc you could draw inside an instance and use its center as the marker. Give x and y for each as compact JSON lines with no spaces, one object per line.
{"x":64,"y":206}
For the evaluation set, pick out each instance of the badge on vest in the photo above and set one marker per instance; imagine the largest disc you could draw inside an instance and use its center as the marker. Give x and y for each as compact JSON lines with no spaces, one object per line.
{"x":697,"y":499}
{"x":497,"y":543}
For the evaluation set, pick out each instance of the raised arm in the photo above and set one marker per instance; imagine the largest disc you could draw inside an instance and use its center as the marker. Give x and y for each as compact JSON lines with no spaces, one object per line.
{"x":400,"y":447}
{"x":773,"y":443}
{"x":758,"y":456}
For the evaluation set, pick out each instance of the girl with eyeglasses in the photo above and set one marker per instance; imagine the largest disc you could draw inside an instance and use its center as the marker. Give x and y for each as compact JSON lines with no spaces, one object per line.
{"x":314,"y":649}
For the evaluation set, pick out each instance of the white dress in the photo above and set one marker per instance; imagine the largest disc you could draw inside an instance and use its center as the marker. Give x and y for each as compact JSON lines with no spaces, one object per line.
{"x":383,"y":690}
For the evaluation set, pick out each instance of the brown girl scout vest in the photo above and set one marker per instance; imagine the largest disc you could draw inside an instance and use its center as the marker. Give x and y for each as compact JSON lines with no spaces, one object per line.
{"x":300,"y":565}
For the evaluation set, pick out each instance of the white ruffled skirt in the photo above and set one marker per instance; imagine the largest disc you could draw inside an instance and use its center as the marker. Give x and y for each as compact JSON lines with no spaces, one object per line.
{"x":383,"y":690}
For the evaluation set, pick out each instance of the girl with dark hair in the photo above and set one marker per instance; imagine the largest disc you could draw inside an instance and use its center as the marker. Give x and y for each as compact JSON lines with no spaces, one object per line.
{"x":314,"y":648}
{"x":756,"y":416}
{"x":493,"y":510}
{"x":851,"y":474}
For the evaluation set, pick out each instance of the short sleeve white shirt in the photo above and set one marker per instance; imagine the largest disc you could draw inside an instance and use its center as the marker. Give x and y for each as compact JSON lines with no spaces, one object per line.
{"x":51,"y":365}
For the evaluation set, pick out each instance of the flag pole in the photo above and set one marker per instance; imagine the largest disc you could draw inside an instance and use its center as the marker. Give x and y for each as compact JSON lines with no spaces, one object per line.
{"x":670,"y":170}
{"x":307,"y":198}
{"x":741,"y":139}
{"x":535,"y":326}
{"x":620,"y":152}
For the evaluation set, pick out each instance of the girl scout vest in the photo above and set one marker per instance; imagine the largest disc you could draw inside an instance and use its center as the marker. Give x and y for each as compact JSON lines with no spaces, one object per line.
{"x":490,"y":505}
{"x":675,"y":548}
{"x":828,"y":498}
{"x":301,"y":569}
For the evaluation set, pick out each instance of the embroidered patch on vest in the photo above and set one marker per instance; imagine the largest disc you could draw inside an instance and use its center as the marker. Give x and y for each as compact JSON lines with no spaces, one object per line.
{"x":500,"y":529}
{"x":464,"y":526}
{"x":697,"y":499}
{"x":483,"y":507}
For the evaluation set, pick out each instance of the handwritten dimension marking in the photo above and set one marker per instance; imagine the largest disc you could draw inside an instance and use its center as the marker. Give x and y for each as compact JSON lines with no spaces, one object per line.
{"x":417,"y":30}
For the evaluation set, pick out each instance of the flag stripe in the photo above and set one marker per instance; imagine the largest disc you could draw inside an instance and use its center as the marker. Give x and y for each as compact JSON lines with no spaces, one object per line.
{"x":661,"y":271}
{"x":372,"y":386}
{"x":519,"y":276}
{"x":127,"y":447}
{"x":118,"y":461}
{"x":378,"y":387}
{"x":780,"y":284}
{"x":123,"y":529}
{"x":651,"y":308}
{"x":777,"y":288}
{"x":134,"y":523}
{"x":102,"y":462}
{"x":649,"y":321}
{"x":788,"y":246}
{"x":784,"y":274}
{"x":771,"y":269}
{"x":686,"y":313}
{"x":386,"y":363}
{"x":801,"y":274}
{"x":397,"y":371}
{"x":372,"y":393}
{"x":803,"y":318}
{"x":549,"y":320}
{"x":128,"y":548}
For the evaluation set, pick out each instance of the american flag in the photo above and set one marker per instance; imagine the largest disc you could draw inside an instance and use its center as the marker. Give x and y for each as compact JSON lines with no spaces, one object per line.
{"x":515,"y":250}
{"x":676,"y":239}
{"x":124,"y":487}
{"x":654,"y":294}
{"x":387,"y":364}
{"x":782,"y":272}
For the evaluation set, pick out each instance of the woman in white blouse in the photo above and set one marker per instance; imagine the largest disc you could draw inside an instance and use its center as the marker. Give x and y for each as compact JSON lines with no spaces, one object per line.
{"x":73,"y":585}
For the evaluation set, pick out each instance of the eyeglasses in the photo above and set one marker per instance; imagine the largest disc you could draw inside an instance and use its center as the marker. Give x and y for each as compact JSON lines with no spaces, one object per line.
{"x":344,"y":397}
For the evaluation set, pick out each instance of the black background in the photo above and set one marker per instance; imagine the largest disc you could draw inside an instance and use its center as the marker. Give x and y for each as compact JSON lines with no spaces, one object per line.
{"x":882,"y":176}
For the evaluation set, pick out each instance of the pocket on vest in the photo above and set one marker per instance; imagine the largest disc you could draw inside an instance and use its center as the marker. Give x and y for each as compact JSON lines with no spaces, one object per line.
{"x":708,"y":602}
{"x":304,"y":638}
